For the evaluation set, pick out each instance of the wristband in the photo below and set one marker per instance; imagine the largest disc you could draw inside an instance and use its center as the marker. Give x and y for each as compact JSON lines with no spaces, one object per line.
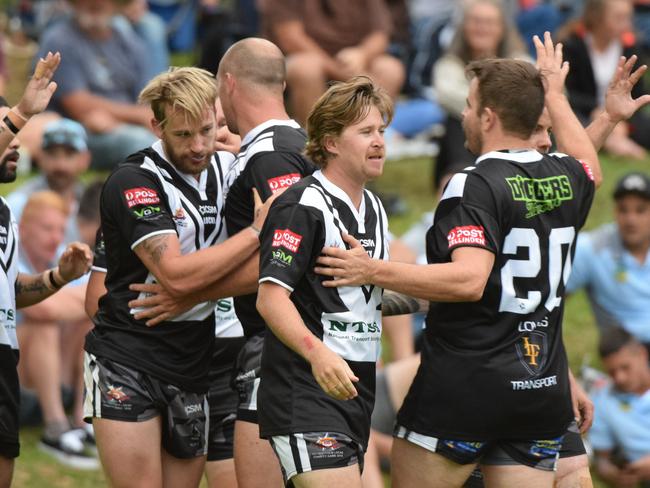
{"x":48,"y":280}
{"x":255,"y":229}
{"x":10,"y":125}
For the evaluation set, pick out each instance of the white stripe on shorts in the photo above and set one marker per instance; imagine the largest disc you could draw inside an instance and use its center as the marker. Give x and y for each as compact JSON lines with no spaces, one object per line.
{"x":92,"y":394}
{"x":424,"y":441}
{"x":303,"y":453}
{"x":282,"y":448}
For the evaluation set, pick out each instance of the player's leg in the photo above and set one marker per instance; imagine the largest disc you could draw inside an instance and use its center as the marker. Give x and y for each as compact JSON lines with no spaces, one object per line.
{"x":6,"y":471}
{"x":413,"y":465}
{"x":255,"y":463}
{"x":127,"y":424}
{"x":516,"y":477}
{"x":573,"y":465}
{"x":326,"y":478}
{"x":130,"y":452}
{"x":177,"y":472}
{"x":221,"y":474}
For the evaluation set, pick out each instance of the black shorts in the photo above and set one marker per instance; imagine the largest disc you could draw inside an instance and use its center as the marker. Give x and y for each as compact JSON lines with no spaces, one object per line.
{"x":117,"y":392}
{"x":572,"y":444}
{"x":384,"y":414}
{"x":310,"y":451}
{"x":247,"y":379}
{"x":9,"y":401}
{"x":223,"y":398}
{"x":539,"y":454}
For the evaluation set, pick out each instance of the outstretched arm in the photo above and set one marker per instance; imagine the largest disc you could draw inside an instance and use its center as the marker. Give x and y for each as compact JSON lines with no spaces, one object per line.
{"x":619,"y":104}
{"x":35,"y":99}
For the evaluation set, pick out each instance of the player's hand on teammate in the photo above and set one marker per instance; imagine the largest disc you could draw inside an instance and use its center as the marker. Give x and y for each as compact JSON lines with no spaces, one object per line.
{"x":157,"y":305}
{"x":550,"y":63}
{"x":262,"y":208}
{"x":75,"y":261}
{"x":40,"y":88}
{"x":332,"y":373}
{"x":351,"y":267}
{"x":619,"y":104}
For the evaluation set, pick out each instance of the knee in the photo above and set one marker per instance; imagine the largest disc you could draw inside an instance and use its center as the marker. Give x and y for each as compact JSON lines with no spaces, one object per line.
{"x":305,"y":68}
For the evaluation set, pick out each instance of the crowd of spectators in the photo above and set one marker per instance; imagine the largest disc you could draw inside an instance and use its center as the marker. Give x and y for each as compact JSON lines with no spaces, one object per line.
{"x":417,"y":51}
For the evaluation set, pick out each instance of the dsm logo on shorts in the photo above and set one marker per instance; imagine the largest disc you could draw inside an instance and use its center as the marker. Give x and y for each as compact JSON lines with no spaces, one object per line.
{"x":467,"y":234}
{"x":141,"y":196}
{"x":287,"y":239}
{"x":285,"y":181}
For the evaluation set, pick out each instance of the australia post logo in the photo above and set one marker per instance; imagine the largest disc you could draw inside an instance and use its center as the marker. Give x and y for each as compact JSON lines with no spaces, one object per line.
{"x":467,"y":234}
{"x":285,"y":181}
{"x":141,"y":196}
{"x":287,"y":239}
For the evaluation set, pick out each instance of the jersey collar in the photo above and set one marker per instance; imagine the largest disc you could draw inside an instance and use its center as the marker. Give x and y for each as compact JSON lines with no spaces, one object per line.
{"x":330,"y":187}
{"x":516,"y":156}
{"x":199,"y":185}
{"x":254,"y":132}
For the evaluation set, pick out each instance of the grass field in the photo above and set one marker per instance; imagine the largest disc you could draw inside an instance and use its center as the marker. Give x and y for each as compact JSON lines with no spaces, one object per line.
{"x":411,"y":179}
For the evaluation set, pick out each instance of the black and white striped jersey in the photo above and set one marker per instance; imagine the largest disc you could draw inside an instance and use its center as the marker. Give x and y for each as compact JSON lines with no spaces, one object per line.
{"x":271,"y":158}
{"x":8,"y":276}
{"x":313,"y":214}
{"x":143,"y":197}
{"x":497,"y":368}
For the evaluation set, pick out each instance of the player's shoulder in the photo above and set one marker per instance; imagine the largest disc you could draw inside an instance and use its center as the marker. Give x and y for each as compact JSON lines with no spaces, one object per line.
{"x":136,"y":168}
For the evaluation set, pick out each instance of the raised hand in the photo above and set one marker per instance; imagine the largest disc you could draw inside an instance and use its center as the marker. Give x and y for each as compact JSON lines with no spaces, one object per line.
{"x":75,"y":261}
{"x":40,"y":88}
{"x":619,"y":104}
{"x":550,"y":63}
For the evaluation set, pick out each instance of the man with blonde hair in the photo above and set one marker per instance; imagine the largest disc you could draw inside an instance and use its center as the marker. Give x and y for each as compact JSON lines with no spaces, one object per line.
{"x":318,"y":366}
{"x":161,"y":218}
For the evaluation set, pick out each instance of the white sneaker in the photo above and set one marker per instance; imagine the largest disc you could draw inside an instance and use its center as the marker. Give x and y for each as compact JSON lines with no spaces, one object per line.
{"x":69,"y":449}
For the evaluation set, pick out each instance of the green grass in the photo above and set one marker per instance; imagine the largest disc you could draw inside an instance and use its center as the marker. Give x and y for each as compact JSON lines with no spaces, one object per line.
{"x":411,"y":178}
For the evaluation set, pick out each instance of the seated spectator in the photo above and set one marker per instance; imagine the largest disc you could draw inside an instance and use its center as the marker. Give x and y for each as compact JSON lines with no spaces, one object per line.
{"x":593,"y":48}
{"x":620,"y":435}
{"x":484,"y":32}
{"x":102,"y":70}
{"x":88,"y":219}
{"x":47,"y":331}
{"x":64,"y":158}
{"x":612,"y":262}
{"x":335,"y":40}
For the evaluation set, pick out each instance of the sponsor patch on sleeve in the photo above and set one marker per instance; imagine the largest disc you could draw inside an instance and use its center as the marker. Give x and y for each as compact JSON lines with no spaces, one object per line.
{"x":287,"y":239}
{"x":285,"y":181}
{"x":141,"y":196}
{"x":587,"y":168}
{"x":467,"y":234}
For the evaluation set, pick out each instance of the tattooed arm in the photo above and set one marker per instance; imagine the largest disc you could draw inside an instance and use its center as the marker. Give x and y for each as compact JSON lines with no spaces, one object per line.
{"x":394,"y":303}
{"x":31,"y":289}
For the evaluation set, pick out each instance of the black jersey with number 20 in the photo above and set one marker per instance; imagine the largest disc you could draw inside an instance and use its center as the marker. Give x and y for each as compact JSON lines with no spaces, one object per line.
{"x":497,"y":368}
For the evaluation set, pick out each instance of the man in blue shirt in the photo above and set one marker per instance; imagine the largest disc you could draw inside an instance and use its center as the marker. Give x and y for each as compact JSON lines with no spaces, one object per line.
{"x":620,"y":434}
{"x":613,"y":264}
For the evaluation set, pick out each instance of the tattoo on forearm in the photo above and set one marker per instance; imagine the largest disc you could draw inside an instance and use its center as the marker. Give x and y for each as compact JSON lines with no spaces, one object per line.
{"x":156,"y":247}
{"x":394,"y":303}
{"x":32,"y":285}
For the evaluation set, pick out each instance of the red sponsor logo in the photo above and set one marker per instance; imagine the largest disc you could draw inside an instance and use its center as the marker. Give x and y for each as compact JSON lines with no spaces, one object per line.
{"x":140,"y":196}
{"x":468,"y":234}
{"x":287,"y":239}
{"x":284,"y":181}
{"x":587,"y":169}
{"x":116,"y":394}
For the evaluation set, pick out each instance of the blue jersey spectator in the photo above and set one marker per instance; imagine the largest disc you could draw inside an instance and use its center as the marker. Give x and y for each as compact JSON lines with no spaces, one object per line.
{"x":613,"y":265}
{"x":620,"y":435}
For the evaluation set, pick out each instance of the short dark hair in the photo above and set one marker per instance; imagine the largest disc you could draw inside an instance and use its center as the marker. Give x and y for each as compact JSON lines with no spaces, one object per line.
{"x":513,"y":89}
{"x":3,"y":102}
{"x":613,"y":340}
{"x":89,"y":202}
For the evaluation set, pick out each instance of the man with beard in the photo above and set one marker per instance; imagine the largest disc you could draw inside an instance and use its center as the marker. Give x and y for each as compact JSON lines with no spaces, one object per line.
{"x":500,"y":250}
{"x":18,"y":289}
{"x":161,"y":218}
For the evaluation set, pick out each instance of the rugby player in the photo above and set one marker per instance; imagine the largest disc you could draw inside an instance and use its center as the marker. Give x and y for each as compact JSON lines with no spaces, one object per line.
{"x":500,"y":247}
{"x":318,"y":366}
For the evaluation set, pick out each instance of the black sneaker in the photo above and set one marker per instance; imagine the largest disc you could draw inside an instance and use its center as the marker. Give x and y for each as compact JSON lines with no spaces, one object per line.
{"x":69,"y":449}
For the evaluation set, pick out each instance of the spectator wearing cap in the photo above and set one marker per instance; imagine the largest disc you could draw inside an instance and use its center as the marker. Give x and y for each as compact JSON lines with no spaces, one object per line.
{"x":64,"y":157}
{"x":613,"y":265}
{"x":620,"y":435}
